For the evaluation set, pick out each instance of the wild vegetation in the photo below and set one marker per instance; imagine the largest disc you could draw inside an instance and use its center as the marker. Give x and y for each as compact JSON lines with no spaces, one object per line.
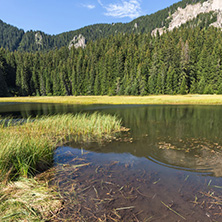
{"x":28,"y":148}
{"x":13,"y":38}
{"x":186,"y":60}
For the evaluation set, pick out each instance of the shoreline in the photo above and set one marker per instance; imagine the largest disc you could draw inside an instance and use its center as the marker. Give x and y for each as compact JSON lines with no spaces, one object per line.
{"x":195,"y":99}
{"x":27,"y":150}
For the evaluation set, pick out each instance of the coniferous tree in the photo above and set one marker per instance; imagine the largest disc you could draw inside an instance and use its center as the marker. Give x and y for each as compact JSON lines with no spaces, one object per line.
{"x":181,"y":61}
{"x":3,"y":85}
{"x":183,"y":86}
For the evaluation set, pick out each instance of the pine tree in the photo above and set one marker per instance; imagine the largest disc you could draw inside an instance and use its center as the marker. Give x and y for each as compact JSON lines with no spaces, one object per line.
{"x":193,"y":87}
{"x":3,"y":85}
{"x":97,"y":86}
{"x":219,"y":90}
{"x":169,"y":80}
{"x":201,"y":85}
{"x":183,"y":86}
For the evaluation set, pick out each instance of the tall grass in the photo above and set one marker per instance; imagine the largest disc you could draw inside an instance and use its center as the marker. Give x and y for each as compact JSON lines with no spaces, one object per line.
{"x":28,"y":148}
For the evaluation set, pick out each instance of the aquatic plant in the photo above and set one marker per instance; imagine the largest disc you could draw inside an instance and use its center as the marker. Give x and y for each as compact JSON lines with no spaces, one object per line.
{"x":28,"y":148}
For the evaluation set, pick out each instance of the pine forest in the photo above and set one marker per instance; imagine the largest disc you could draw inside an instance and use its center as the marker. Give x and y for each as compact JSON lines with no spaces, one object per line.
{"x":185,"y":60}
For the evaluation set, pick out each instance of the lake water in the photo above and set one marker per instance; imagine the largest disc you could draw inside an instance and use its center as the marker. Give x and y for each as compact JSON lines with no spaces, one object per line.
{"x":168,"y":168}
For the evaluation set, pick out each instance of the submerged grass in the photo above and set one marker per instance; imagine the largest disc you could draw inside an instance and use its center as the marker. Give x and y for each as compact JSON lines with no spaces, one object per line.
{"x":152,"y":99}
{"x":28,"y":148}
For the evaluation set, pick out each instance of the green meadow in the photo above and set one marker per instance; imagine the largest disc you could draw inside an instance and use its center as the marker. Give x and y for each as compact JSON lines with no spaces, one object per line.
{"x":152,"y":99}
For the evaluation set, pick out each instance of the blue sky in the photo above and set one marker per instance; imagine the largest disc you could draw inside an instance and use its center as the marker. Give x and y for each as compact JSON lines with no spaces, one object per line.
{"x":57,"y":16}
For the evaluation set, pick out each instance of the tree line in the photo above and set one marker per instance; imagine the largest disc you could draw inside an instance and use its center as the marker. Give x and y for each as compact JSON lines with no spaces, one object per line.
{"x":13,"y":38}
{"x":179,"y":62}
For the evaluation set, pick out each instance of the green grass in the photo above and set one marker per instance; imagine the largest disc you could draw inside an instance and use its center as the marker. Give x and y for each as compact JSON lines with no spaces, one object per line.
{"x":152,"y":99}
{"x":28,"y":148}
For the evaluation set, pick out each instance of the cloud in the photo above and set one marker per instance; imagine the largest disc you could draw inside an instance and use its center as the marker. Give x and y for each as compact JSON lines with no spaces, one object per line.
{"x":89,"y":6}
{"x":123,"y":8}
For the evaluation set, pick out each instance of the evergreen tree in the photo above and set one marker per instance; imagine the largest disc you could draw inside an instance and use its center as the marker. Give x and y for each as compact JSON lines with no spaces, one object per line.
{"x":169,"y":80}
{"x":97,"y":86}
{"x":3,"y":85}
{"x":183,"y":87}
{"x":219,"y":90}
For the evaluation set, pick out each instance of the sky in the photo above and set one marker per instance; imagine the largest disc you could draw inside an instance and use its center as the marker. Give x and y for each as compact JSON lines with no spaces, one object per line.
{"x":57,"y":16}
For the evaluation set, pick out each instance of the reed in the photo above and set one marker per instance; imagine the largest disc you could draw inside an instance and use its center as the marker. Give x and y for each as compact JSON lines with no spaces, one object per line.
{"x":27,"y":148}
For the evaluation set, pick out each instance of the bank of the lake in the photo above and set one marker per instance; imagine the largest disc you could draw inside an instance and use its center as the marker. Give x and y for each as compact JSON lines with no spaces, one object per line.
{"x":152,"y":99}
{"x":27,"y":149}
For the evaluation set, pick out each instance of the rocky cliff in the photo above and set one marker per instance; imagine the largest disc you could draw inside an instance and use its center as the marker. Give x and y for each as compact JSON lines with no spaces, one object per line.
{"x":78,"y":41}
{"x":183,"y":15}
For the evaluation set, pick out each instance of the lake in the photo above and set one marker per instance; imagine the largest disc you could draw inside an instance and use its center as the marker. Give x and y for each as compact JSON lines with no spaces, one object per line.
{"x":167,"y":168}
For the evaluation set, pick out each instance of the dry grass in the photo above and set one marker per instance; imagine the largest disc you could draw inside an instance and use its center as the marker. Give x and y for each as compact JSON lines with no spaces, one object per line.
{"x":28,"y":200}
{"x":157,"y":99}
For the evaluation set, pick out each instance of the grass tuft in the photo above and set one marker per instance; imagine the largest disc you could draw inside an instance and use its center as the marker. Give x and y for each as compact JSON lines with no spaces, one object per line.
{"x":27,"y":148}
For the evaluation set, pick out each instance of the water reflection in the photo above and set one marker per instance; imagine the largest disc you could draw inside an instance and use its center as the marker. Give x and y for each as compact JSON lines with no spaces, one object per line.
{"x":181,"y":137}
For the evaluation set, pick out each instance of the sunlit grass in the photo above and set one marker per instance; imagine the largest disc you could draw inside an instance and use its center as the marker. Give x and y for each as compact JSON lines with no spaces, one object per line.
{"x":28,"y":148}
{"x":28,"y":200}
{"x":154,"y":99}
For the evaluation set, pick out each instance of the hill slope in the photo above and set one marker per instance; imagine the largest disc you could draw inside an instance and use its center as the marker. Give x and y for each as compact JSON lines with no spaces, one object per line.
{"x":16,"y":39}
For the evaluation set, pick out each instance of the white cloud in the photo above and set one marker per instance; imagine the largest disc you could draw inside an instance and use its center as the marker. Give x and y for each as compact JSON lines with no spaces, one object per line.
{"x":123,"y":8}
{"x":89,"y":6}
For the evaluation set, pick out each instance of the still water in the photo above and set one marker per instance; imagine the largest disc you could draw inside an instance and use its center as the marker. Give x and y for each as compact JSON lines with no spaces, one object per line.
{"x":168,"y":168}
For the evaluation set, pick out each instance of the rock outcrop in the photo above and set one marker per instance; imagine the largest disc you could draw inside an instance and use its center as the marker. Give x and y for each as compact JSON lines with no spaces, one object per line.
{"x":182,"y":15}
{"x":218,"y":23}
{"x":78,"y":41}
{"x":38,"y":38}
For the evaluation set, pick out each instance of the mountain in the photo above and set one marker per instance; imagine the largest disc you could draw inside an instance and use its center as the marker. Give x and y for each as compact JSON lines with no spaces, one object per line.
{"x":196,"y":12}
{"x":10,"y":36}
{"x":183,"y":55}
{"x":191,"y":12}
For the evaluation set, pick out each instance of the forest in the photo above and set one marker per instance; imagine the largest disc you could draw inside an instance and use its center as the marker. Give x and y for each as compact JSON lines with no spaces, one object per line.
{"x":185,"y":60}
{"x":13,"y":38}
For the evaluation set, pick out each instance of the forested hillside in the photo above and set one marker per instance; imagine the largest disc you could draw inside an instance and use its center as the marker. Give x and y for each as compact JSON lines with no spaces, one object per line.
{"x":119,"y":59}
{"x":10,"y":36}
{"x":186,"y":60}
{"x":13,"y":38}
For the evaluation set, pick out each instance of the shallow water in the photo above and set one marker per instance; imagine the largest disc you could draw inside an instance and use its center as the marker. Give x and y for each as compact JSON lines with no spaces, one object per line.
{"x":168,"y":168}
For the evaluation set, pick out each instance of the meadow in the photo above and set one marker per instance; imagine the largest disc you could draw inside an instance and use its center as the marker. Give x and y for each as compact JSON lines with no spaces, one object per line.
{"x":153,"y":99}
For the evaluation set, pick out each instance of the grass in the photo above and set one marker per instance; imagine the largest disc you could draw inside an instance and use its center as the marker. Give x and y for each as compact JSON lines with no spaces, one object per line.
{"x":154,"y":99}
{"x":28,"y":200}
{"x":28,"y":148}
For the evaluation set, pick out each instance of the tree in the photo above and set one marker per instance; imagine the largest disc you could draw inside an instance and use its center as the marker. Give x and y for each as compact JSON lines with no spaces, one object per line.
{"x":183,"y":86}
{"x":169,"y":80}
{"x":3,"y":85}
{"x":219,"y":90}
